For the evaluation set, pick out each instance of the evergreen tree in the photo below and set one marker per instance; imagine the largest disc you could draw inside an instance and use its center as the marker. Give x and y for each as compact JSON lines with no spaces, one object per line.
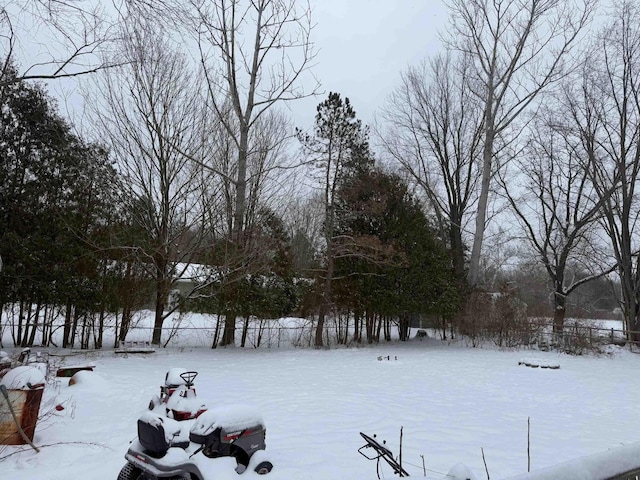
{"x":397,"y":267}
{"x":338,"y":148}
{"x":54,"y":193}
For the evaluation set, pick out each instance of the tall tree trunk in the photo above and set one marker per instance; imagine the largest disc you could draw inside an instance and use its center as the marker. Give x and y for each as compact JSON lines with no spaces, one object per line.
{"x":74,"y":328}
{"x":245,"y":331}
{"x":125,"y":324}
{"x":216,"y":333}
{"x":66,"y":330}
{"x":117,"y":330}
{"x":84,"y":334}
{"x":369,"y":319}
{"x":559,"y":312}
{"x":326,"y":297}
{"x":403,"y":327}
{"x":229,"y":332}
{"x":483,"y":199}
{"x":100,"y":338}
{"x":344,"y":334}
{"x":34,"y":325}
{"x":457,"y":250}
{"x":27,"y":323}
{"x":46,"y":326}
{"x":162,"y":292}
{"x":387,"y":328}
{"x":158,"y":320}
{"x":318,"y":341}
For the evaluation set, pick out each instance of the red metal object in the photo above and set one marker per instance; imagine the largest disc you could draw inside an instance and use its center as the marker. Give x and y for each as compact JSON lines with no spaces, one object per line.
{"x":26,"y":406}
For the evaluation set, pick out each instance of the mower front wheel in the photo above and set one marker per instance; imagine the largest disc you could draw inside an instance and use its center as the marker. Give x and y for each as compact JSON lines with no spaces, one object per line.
{"x":263,"y":468}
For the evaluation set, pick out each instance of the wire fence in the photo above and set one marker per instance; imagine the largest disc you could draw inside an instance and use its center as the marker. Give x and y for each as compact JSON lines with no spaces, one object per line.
{"x":182,"y":332}
{"x":580,"y":334}
{"x":259,"y":334}
{"x":575,"y":337}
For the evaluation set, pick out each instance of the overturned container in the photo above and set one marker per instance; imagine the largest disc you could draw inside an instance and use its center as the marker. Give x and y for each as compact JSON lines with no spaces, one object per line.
{"x":21,"y":391}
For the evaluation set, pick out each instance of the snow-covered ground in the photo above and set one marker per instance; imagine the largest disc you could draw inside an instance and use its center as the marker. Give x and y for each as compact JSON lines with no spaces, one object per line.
{"x":453,"y":403}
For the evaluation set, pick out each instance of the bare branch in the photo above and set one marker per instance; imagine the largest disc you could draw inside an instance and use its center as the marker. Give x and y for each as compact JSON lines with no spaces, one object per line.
{"x":66,"y":38}
{"x":516,"y":50}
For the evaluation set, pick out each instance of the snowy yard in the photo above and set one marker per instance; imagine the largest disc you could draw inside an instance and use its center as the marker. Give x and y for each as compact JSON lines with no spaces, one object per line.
{"x":451,"y":402}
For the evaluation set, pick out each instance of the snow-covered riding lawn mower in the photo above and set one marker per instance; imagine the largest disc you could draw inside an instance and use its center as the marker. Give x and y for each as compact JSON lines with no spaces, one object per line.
{"x":177,"y":397}
{"x":167,"y":449}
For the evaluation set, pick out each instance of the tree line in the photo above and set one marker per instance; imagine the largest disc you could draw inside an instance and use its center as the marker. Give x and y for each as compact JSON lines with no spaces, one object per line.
{"x":520,"y":141}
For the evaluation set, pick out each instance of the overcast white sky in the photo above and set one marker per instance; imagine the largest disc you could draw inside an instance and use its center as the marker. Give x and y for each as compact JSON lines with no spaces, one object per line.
{"x":362,"y":48}
{"x":364,"y":45}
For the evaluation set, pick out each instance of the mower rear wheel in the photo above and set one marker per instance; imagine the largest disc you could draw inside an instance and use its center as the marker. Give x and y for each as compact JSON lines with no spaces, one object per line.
{"x":263,"y":468}
{"x":130,"y":472}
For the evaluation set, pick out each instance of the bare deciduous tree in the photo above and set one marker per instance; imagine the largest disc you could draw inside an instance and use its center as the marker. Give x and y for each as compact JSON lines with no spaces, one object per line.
{"x":558,"y":208}
{"x":433,"y":130}
{"x":254,"y":55}
{"x":606,"y":110}
{"x":518,"y":48}
{"x":148,"y":112}
{"x":57,"y":38}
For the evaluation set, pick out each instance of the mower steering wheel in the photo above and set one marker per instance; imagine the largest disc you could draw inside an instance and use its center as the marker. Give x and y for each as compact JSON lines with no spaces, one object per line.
{"x":188,"y":377}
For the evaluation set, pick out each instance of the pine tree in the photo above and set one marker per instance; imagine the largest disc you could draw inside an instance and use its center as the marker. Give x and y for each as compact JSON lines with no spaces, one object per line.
{"x":338,"y":148}
{"x":397,"y":267}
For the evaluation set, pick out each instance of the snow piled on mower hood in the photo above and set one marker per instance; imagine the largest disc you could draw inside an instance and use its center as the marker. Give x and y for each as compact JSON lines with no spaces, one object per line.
{"x":229,"y":418}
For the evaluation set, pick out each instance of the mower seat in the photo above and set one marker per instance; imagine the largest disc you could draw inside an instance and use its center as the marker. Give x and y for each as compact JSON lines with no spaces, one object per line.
{"x":157,"y":434}
{"x":172,"y":379}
